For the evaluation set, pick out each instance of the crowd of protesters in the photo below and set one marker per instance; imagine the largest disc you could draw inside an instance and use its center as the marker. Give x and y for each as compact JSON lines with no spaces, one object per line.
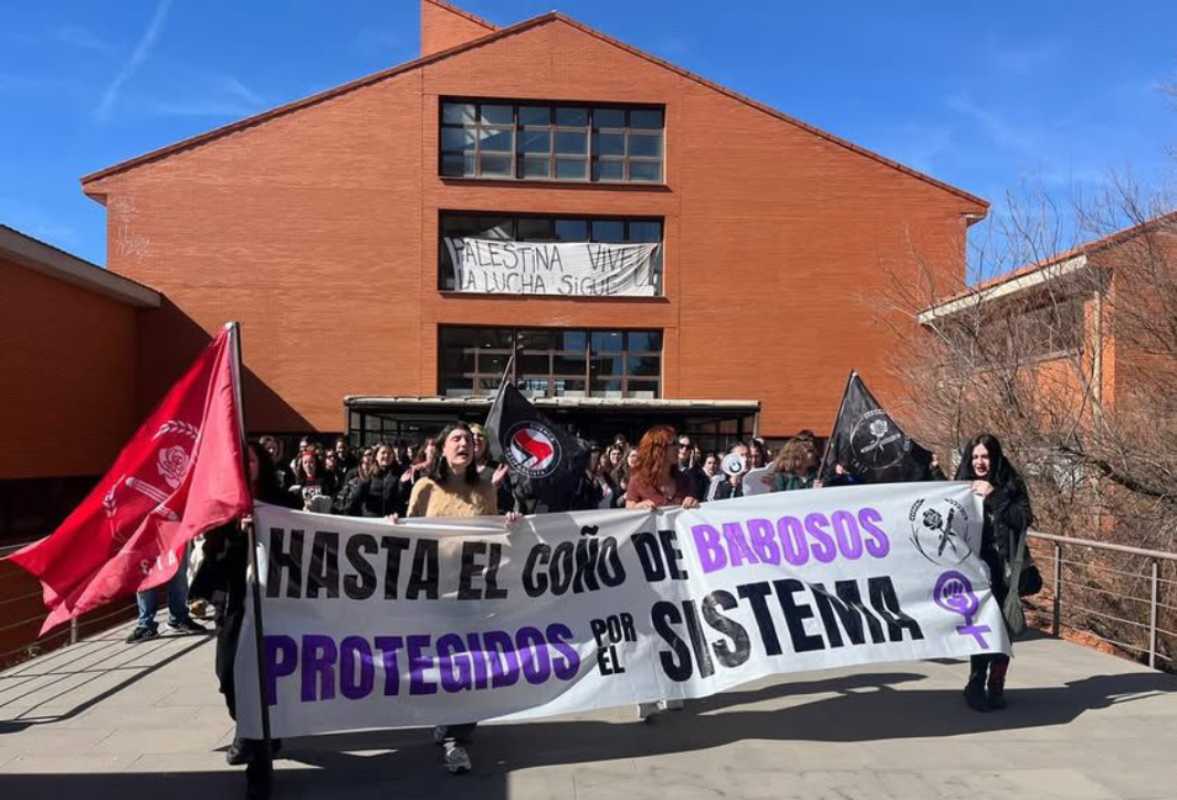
{"x":378,"y":480}
{"x":454,"y":475}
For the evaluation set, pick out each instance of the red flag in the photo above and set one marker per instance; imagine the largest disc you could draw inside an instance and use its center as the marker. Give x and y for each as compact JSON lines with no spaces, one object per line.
{"x":179,"y":475}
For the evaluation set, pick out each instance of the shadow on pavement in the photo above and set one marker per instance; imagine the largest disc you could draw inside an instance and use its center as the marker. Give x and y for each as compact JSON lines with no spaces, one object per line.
{"x":406,"y":764}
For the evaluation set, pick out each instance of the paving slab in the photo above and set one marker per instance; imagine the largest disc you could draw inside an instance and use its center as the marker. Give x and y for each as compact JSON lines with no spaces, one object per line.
{"x":110,"y":720}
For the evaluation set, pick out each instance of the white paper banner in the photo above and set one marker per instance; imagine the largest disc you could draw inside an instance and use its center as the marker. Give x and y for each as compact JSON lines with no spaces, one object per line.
{"x":374,"y":625}
{"x":572,"y":269}
{"x":758,"y":481}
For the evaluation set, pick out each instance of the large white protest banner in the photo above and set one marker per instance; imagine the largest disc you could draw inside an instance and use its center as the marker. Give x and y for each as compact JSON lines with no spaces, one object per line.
{"x":572,"y":269}
{"x":370,"y":624}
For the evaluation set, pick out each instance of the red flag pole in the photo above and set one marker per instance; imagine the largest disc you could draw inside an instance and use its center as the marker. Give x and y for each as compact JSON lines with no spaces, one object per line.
{"x":257,"y":777}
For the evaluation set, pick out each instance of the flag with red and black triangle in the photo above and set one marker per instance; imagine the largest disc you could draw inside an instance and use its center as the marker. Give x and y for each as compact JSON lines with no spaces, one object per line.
{"x":534,"y":448}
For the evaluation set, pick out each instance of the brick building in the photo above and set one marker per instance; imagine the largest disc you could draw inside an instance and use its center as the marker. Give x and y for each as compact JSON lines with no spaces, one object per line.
{"x":69,"y":342}
{"x":331,"y":227}
{"x":69,"y":339}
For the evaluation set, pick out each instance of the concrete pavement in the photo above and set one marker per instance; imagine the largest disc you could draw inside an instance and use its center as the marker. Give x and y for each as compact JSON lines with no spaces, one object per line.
{"x":103,"y":719}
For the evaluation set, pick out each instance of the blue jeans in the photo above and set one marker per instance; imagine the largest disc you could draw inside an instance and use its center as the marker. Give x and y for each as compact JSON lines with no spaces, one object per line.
{"x":177,"y":589}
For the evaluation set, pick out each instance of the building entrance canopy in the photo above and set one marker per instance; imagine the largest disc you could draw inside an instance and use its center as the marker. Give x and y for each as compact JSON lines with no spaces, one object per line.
{"x":712,"y":424}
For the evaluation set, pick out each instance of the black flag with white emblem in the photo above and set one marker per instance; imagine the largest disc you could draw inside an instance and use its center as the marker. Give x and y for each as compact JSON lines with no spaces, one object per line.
{"x":868,"y":444}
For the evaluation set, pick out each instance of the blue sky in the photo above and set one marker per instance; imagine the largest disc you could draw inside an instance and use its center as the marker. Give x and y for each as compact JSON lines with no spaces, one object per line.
{"x":987,"y":96}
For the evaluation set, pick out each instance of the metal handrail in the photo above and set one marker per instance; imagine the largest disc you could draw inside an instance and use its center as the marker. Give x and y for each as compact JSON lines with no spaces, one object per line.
{"x":1155,"y":557}
{"x":1122,"y":548}
{"x":12,"y":548}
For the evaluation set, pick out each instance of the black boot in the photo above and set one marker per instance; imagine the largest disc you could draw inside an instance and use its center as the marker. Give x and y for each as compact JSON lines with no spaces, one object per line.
{"x":259,"y":777}
{"x":974,"y":690}
{"x":997,"y":684}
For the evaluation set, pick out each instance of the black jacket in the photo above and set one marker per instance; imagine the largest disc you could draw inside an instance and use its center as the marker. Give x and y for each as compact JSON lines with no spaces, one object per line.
{"x":378,"y":496}
{"x":725,"y":490}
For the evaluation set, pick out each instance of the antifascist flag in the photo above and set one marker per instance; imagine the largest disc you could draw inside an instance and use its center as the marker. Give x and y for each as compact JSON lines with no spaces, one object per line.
{"x":534,"y":448}
{"x":869,"y":445}
{"x":179,"y":475}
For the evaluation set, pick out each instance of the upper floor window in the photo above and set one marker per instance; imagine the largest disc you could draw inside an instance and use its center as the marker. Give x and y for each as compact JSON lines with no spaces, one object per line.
{"x":547,"y":141}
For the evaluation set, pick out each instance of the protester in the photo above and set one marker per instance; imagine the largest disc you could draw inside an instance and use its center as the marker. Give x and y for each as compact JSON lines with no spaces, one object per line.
{"x":710,"y":467}
{"x":313,"y":485}
{"x":179,"y":618}
{"x":614,"y":458}
{"x":654,"y":482}
{"x":1007,"y":517}
{"x":273,"y":446}
{"x":757,"y":453}
{"x":454,"y":488}
{"x":350,"y":488}
{"x":731,"y":485}
{"x":343,"y":455}
{"x":500,"y":473}
{"x":381,"y":494}
{"x":627,"y":468}
{"x":688,"y":464}
{"x":602,"y":473}
{"x":222,"y":581}
{"x":794,"y":467}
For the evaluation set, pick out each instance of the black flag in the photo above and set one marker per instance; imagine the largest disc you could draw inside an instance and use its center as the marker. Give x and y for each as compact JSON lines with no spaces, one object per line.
{"x":549,"y":460}
{"x":869,"y":445}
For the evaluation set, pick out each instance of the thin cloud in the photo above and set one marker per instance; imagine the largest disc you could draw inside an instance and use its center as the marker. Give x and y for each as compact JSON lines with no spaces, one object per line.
{"x":999,"y":128}
{"x":203,"y":108}
{"x":222,"y":96}
{"x":239,"y":90}
{"x":138,"y":56}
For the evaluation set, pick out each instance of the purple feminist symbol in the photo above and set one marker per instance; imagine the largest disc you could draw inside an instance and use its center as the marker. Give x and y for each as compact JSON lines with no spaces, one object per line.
{"x":954,"y":592}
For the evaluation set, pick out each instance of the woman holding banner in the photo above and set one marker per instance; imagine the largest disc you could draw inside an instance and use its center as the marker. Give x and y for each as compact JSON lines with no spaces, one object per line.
{"x":455,"y":488}
{"x":656,"y":482}
{"x":1007,"y":517}
{"x":221,"y":580}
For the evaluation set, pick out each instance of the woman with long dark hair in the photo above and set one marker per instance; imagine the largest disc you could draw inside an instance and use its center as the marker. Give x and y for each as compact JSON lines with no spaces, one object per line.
{"x":1007,"y":517}
{"x":455,"y":488}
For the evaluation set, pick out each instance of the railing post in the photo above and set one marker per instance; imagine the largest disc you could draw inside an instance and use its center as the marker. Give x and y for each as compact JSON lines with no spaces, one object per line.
{"x":1058,"y":590}
{"x":1152,"y":616}
{"x":73,"y":628}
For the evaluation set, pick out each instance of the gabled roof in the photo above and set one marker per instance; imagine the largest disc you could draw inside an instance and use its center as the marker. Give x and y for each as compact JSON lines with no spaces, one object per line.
{"x":461,"y":12}
{"x":20,"y":248}
{"x":502,"y":33}
{"x":1056,"y":266}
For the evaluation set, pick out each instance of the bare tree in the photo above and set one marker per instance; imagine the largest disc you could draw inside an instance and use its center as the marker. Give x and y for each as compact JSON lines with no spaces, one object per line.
{"x":1072,"y":362}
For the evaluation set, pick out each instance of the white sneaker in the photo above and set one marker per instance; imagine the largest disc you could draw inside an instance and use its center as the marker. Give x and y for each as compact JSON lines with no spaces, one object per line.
{"x":647,"y":710}
{"x":457,"y":760}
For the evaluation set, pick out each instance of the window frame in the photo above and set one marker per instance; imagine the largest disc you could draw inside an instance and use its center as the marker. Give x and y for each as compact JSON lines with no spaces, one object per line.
{"x":551,"y":376}
{"x":552,"y":157}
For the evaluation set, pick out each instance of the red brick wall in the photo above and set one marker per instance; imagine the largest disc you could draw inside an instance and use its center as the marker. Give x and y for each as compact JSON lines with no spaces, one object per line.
{"x":69,"y":360}
{"x":318,"y":230}
{"x":443,"y":27}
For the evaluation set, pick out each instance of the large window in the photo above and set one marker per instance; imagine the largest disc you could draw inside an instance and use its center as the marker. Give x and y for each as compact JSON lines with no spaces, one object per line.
{"x":563,"y":142}
{"x":1029,"y":331}
{"x":544,"y":228}
{"x":550,"y":362}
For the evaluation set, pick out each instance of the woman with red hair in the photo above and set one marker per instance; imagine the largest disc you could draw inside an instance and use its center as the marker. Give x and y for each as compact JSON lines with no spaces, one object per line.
{"x":655,"y":479}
